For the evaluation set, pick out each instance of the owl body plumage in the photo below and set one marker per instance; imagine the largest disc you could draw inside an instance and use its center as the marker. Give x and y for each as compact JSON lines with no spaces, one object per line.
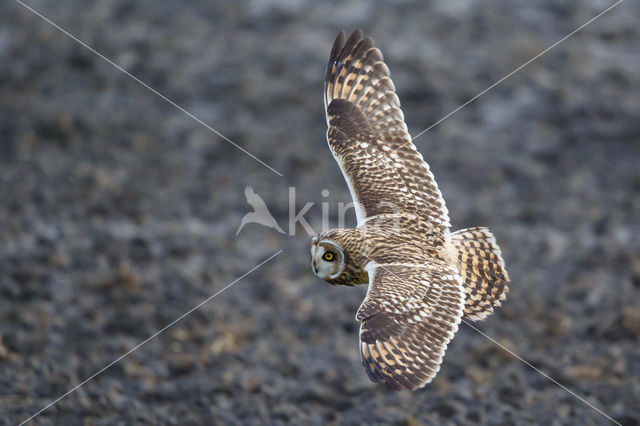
{"x":422,"y":278}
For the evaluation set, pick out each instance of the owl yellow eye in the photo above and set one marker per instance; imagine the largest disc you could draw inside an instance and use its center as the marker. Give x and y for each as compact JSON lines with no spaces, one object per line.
{"x":328,"y":256}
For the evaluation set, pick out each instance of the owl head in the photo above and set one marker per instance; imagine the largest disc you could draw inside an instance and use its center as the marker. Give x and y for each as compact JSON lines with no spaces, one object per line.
{"x":331,"y":262}
{"x":327,"y":259}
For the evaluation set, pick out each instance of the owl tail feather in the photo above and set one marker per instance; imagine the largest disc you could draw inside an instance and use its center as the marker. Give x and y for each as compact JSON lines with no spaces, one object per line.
{"x":482,"y":270}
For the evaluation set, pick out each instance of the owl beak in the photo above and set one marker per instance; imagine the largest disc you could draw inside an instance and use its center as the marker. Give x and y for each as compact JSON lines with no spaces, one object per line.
{"x":313,"y":265}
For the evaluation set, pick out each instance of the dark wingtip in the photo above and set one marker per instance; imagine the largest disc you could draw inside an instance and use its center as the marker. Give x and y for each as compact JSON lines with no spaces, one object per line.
{"x":353,"y":39}
{"x":348,"y":49}
{"x":335,"y":51}
{"x":337,"y":45}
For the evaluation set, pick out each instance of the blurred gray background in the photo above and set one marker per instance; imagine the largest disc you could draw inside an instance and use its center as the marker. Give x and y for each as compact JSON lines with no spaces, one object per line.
{"x":118,"y":212}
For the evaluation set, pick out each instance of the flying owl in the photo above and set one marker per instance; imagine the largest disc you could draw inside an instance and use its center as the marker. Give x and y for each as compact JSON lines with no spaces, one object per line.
{"x":422,"y":277}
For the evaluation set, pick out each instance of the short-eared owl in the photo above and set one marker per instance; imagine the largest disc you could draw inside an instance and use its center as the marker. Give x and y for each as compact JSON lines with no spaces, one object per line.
{"x":422,"y":278}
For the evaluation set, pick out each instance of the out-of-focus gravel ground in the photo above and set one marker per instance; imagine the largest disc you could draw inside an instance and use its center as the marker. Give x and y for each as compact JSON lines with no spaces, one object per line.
{"x":118,"y":212}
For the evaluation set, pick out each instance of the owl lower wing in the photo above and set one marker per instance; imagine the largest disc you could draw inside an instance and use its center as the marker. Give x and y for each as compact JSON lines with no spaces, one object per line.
{"x":409,"y":316}
{"x":369,"y":138}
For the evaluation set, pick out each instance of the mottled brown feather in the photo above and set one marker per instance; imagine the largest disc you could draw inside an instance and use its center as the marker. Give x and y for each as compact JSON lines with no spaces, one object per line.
{"x":408,"y":318}
{"x":482,"y":269}
{"x":369,"y":138}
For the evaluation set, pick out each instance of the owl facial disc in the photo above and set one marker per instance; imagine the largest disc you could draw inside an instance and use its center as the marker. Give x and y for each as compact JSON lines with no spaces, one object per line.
{"x":327,"y":259}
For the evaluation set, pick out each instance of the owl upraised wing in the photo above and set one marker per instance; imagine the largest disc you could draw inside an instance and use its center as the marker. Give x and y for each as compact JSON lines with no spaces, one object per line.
{"x":412,"y":308}
{"x":369,"y":138}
